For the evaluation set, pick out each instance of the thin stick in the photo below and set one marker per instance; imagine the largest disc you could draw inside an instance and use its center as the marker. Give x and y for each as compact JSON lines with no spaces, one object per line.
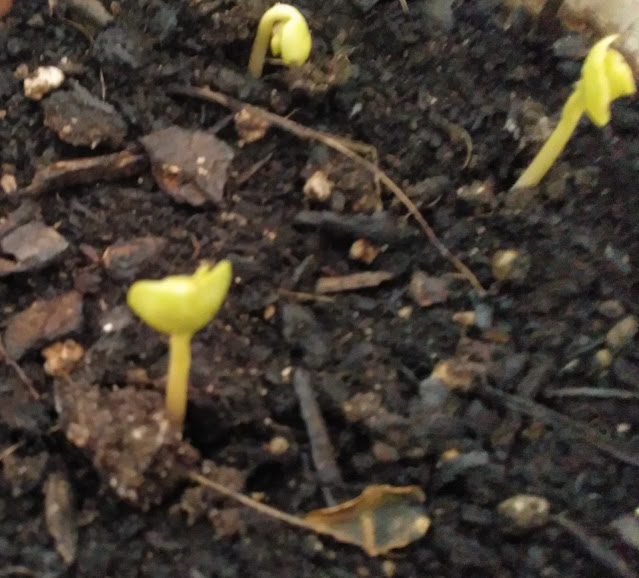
{"x":5,"y":453}
{"x":322,"y":450}
{"x":24,"y":378}
{"x":337,"y":144}
{"x":608,"y":559}
{"x":562,"y":423}
{"x":594,"y":392}
{"x":253,"y":504}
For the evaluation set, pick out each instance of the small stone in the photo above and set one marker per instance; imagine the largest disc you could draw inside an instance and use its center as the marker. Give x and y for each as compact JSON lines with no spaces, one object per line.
{"x":318,"y":187}
{"x":622,"y":333}
{"x":433,"y":395}
{"x":385,"y":453}
{"x":9,"y":184}
{"x":524,"y":512}
{"x":612,"y":309}
{"x":62,"y":357}
{"x":478,"y":194}
{"x":364,"y":251}
{"x":603,"y":357}
{"x":426,"y":290}
{"x":454,"y":376}
{"x":405,"y":312}
{"x":278,"y":445}
{"x":389,"y":568}
{"x":464,"y":318}
{"x":36,"y":21}
{"x":42,"y":81}
{"x":510,"y":265}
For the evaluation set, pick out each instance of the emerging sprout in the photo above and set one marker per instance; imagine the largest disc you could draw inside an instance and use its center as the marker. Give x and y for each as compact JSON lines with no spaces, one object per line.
{"x":284,"y":27}
{"x":180,"y":305}
{"x":605,"y":76}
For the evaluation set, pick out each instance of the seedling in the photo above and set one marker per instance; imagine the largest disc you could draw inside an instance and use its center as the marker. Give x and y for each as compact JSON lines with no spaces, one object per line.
{"x":605,"y":76}
{"x":180,"y":306}
{"x":284,"y":27}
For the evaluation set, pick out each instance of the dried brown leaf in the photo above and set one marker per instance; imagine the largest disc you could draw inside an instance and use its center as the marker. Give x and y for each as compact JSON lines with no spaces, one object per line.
{"x":380,"y":519}
{"x":191,"y":166}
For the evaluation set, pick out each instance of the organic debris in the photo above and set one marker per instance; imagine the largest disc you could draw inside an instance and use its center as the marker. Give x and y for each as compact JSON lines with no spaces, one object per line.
{"x":43,"y":321}
{"x":84,"y":171}
{"x":352,"y":282}
{"x":191,"y":166}
{"x":81,"y":119}
{"x":134,"y":449}
{"x":34,"y":246}
{"x":382,"y":518}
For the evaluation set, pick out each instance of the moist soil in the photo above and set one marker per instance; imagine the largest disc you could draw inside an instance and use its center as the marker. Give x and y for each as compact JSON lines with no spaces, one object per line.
{"x":505,"y":419}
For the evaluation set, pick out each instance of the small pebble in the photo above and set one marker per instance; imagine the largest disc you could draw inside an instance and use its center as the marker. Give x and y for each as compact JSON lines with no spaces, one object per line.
{"x":524,"y":512}
{"x":603,"y":357}
{"x":278,"y":445}
{"x":612,"y":309}
{"x":510,"y":265}
{"x":9,"y":184}
{"x":622,"y":333}
{"x":318,"y":187}
{"x":42,"y":81}
{"x":464,"y":318}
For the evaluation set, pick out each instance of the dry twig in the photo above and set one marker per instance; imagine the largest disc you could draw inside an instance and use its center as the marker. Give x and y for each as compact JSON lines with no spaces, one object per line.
{"x":24,"y":378}
{"x":321,"y":447}
{"x":560,"y":422}
{"x":341,"y":145}
{"x":608,"y":559}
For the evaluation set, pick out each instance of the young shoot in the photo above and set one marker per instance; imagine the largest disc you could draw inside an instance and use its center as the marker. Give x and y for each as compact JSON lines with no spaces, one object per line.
{"x":285,"y":29}
{"x":605,"y":76}
{"x":179,"y":306}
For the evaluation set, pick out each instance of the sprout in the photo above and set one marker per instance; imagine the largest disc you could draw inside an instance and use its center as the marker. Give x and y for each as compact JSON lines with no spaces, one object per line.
{"x":605,"y":76}
{"x":284,"y":27}
{"x":180,"y":305}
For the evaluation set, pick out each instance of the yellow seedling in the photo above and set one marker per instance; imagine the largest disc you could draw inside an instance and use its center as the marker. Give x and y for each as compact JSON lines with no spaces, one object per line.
{"x":285,"y":29}
{"x":179,"y":306}
{"x":605,"y":76}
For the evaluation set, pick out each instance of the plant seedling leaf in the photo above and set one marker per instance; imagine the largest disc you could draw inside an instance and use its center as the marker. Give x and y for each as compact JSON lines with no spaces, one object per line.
{"x":380,"y":519}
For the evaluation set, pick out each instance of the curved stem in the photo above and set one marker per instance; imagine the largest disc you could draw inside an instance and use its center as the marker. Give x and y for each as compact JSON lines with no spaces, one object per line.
{"x":278,"y":13}
{"x":177,"y":383}
{"x":553,"y":147}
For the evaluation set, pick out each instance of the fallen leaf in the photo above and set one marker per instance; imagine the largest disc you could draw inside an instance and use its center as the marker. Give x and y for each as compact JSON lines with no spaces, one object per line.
{"x":33,"y":245}
{"x":43,"y":321}
{"x":352,"y":282}
{"x":81,"y":119}
{"x":191,"y":166}
{"x":380,"y":519}
{"x":124,"y":259}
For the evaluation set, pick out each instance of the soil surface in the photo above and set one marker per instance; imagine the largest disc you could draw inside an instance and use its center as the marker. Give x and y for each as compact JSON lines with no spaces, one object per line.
{"x":529,"y":389}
